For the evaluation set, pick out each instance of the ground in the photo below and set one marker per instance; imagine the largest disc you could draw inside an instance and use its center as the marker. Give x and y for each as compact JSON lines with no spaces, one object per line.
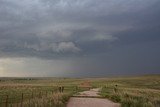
{"x":83,"y":100}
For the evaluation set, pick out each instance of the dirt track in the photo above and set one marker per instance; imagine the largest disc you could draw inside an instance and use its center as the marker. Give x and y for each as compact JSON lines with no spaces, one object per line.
{"x":90,"y":102}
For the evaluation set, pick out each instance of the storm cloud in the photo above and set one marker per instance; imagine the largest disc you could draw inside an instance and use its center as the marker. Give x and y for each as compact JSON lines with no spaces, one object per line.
{"x":98,"y":37}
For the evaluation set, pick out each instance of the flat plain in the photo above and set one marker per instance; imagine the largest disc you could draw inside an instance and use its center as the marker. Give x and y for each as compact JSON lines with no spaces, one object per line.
{"x":137,"y":91}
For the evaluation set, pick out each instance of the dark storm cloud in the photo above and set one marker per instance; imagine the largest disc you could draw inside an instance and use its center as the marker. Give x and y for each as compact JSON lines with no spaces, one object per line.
{"x":55,"y":29}
{"x":38,"y":24}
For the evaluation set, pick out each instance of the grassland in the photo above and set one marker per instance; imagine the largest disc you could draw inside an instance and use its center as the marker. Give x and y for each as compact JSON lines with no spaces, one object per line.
{"x":39,"y":92}
{"x":142,"y":91}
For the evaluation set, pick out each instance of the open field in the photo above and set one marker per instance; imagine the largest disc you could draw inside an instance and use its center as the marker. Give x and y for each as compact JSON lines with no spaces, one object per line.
{"x":143,"y":91}
{"x":34,"y":90}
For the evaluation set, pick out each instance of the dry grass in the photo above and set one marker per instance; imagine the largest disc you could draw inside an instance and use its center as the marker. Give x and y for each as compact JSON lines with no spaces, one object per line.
{"x":53,"y":100}
{"x":133,"y":92}
{"x":141,"y":91}
{"x":15,"y":87}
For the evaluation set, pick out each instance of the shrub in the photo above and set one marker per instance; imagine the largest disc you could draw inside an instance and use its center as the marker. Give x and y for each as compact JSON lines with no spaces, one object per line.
{"x":115,"y":98}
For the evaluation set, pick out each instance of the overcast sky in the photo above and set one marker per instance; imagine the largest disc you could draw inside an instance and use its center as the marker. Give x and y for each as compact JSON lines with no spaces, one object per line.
{"x":79,"y":38}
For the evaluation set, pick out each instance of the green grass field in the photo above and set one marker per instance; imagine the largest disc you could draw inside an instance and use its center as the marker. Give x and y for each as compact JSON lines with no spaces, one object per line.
{"x":142,"y":91}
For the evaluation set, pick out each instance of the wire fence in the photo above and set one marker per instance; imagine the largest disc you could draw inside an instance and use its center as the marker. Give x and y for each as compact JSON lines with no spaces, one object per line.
{"x":9,"y":100}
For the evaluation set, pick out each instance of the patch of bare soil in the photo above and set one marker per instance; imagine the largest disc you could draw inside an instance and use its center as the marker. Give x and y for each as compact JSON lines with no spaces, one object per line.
{"x":90,"y":102}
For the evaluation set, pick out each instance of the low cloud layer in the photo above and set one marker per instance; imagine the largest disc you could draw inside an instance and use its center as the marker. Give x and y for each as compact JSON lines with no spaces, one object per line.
{"x":75,"y":29}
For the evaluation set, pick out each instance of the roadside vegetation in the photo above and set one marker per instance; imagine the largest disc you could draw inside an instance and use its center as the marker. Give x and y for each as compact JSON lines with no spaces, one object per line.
{"x":36,"y":92}
{"x":132,"y":92}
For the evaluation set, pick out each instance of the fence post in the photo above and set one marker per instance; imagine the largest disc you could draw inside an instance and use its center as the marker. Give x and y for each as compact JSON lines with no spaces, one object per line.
{"x":6,"y":105}
{"x":59,"y":88}
{"x":39,"y":94}
{"x":62,"y":89}
{"x":76,"y":88}
{"x":22,"y":100}
{"x":32,"y":95}
{"x":46,"y":93}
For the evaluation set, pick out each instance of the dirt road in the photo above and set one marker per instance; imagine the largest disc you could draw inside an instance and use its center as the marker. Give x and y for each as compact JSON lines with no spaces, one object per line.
{"x":80,"y":101}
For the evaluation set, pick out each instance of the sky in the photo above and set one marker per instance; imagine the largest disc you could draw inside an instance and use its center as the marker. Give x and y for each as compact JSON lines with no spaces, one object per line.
{"x":79,"y":38}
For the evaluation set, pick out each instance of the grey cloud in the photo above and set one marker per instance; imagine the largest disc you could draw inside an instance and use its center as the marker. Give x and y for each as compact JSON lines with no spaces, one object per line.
{"x":55,"y":29}
{"x":66,"y":46}
{"x":47,"y":27}
{"x":55,"y":47}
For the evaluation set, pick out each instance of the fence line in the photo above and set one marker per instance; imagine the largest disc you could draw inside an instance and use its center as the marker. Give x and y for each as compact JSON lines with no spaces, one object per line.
{"x":6,"y":101}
